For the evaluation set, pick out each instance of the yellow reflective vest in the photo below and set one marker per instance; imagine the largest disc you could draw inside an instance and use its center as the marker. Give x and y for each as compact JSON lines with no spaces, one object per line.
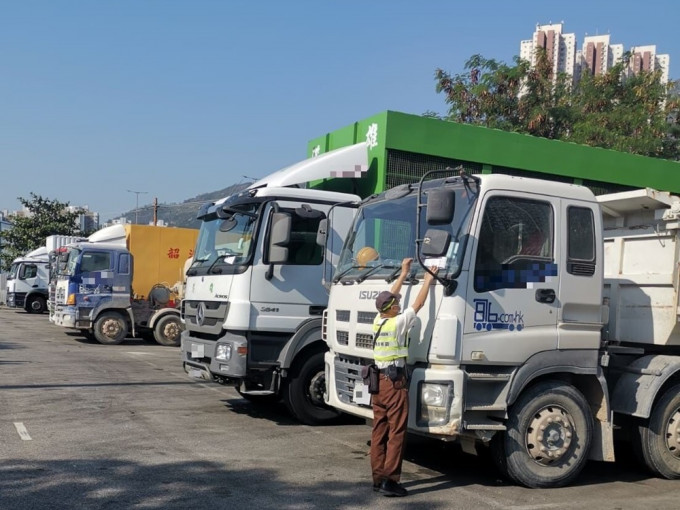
{"x":386,"y":347}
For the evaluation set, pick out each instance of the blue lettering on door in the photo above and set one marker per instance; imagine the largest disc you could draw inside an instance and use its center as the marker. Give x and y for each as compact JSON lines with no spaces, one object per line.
{"x":486,"y":318}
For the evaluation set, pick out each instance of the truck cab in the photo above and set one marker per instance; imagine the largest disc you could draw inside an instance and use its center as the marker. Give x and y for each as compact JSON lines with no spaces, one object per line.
{"x":27,"y":282}
{"x":255,"y":291}
{"x":516,"y":315}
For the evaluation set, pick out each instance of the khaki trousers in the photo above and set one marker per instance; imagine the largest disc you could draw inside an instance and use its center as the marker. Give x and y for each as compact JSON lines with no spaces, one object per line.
{"x":388,"y":439}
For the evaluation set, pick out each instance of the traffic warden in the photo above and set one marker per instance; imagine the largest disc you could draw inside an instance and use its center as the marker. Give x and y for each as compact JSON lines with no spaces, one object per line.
{"x":390,"y":404}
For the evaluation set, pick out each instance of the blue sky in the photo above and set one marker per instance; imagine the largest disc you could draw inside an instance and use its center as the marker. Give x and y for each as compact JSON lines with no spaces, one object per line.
{"x":181,"y":97}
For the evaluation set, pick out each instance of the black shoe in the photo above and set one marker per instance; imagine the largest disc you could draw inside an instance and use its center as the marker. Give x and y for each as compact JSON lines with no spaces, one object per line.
{"x":376,"y":486}
{"x":390,"y":488}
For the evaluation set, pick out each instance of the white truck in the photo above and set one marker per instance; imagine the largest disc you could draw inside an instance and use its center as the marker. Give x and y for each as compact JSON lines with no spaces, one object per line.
{"x":255,"y":293}
{"x":553,"y":324}
{"x":27,"y":281}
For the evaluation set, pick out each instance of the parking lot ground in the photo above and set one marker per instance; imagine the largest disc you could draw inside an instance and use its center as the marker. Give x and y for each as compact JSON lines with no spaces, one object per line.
{"x":94,"y":426}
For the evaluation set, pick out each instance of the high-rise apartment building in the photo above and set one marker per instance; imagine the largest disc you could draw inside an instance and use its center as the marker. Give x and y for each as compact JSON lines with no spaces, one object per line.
{"x":596,"y":56}
{"x":645,"y":58}
{"x":560,"y":47}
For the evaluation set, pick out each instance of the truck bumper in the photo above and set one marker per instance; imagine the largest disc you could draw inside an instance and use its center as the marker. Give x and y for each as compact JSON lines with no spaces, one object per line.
{"x":343,"y":376}
{"x":16,"y":300}
{"x":67,"y":317}
{"x":200,"y":362}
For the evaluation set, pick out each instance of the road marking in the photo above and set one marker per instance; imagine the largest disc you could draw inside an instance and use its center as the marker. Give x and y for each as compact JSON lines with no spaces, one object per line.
{"x":23,"y":433}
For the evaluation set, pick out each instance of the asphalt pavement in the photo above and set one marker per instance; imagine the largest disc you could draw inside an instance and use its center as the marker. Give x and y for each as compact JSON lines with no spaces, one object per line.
{"x":84,"y":425}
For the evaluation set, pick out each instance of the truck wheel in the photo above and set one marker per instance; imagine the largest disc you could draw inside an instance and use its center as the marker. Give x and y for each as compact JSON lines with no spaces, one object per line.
{"x":110,"y":328}
{"x":36,"y":304}
{"x":304,"y":389}
{"x":548,"y":436}
{"x":168,"y":330}
{"x":659,"y":437}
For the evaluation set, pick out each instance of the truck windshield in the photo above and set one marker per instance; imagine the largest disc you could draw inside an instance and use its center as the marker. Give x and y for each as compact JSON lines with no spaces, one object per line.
{"x":13,"y":271}
{"x":68,"y":261}
{"x":226,"y":240}
{"x":384,"y":233}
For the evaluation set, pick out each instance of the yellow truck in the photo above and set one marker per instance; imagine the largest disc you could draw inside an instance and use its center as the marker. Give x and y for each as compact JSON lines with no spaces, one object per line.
{"x":125,"y":279}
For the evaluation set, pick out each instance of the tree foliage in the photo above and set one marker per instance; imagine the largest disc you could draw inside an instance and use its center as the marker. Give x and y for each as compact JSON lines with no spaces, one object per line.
{"x":632,"y":113}
{"x":46,"y":217}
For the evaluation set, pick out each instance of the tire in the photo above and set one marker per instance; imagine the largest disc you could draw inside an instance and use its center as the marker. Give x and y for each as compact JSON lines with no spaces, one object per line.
{"x":303,"y":392}
{"x":553,"y":408}
{"x":658,"y":439}
{"x":36,"y":304}
{"x":168,"y":330}
{"x":110,"y":328}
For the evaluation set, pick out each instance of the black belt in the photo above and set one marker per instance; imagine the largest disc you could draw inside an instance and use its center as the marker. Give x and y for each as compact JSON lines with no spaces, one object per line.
{"x":400,"y":370}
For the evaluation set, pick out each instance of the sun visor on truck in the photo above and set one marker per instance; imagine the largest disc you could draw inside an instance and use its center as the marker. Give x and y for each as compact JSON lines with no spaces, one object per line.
{"x":350,"y":161}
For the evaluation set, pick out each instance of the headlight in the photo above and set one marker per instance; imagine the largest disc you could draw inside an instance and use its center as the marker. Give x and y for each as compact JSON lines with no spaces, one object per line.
{"x":435,"y":403}
{"x":223,"y":352}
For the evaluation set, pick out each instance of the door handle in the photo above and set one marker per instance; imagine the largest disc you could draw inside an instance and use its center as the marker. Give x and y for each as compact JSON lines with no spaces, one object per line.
{"x":545,"y":295}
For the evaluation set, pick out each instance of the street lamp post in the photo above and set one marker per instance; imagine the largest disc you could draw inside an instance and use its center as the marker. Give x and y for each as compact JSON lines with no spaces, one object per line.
{"x":137,"y":206}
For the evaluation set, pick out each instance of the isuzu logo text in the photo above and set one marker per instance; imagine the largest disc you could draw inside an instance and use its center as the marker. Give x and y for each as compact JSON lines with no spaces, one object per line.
{"x":368,"y":294}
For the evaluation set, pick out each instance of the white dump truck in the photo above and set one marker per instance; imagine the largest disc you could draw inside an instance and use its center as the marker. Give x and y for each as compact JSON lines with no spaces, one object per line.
{"x":553,"y":323}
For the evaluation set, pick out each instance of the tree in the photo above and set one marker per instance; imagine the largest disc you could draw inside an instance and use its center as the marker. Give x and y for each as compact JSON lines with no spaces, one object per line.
{"x":46,"y":217}
{"x":633,"y":113}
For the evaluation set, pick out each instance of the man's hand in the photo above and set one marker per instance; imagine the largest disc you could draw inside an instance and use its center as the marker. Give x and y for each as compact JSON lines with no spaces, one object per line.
{"x":429,"y":278}
{"x":406,"y":265}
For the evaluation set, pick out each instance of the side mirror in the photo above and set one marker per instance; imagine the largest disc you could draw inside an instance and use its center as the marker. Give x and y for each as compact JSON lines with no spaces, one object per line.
{"x":322,"y":232}
{"x":279,"y":237}
{"x":435,"y":243}
{"x":228,"y":224}
{"x":441,"y":204}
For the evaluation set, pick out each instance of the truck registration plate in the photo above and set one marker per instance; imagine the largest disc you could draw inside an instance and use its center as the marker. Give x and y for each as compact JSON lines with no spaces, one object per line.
{"x":361,"y":394}
{"x":197,"y":350}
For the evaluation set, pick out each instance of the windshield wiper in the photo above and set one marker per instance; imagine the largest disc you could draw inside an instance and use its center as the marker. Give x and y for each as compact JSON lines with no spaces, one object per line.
{"x":373,"y":270}
{"x":393,"y":276}
{"x":339,"y":277}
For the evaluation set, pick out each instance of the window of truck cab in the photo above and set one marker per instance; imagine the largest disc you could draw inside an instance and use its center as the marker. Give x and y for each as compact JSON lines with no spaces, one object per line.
{"x":95,"y":261}
{"x":226,"y":240}
{"x":515,"y":239}
{"x":303,"y":249}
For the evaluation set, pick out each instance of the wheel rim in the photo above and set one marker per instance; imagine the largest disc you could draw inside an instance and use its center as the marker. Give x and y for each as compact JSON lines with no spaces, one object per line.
{"x":111,"y":328}
{"x":317,"y":386}
{"x":171,"y":331}
{"x":673,"y":434}
{"x":35,"y":305}
{"x":549,"y":435}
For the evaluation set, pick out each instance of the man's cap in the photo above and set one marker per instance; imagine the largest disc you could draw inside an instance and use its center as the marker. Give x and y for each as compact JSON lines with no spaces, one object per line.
{"x":385,"y":300}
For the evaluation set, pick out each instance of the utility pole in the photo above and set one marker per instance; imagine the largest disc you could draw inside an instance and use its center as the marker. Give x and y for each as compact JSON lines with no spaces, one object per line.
{"x":137,"y":207}
{"x":155,"y":211}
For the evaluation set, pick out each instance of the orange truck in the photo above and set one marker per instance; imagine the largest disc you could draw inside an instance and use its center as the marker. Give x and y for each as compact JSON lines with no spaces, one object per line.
{"x":125,"y":279}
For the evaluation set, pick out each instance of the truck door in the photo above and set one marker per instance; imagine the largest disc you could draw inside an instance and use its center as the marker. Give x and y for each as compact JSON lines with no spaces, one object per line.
{"x":292,"y":291}
{"x":30,"y":274}
{"x":511,"y":310}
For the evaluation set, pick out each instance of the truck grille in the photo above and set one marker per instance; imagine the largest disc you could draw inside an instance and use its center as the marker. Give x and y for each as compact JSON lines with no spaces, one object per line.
{"x":364,"y":341}
{"x":342,"y":315}
{"x":342,"y":337}
{"x":347,"y":374}
{"x":366,"y":317}
{"x":209,"y":321}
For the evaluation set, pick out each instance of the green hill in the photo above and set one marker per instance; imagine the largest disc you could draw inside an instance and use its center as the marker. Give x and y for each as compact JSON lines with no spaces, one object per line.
{"x":182,"y":214}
